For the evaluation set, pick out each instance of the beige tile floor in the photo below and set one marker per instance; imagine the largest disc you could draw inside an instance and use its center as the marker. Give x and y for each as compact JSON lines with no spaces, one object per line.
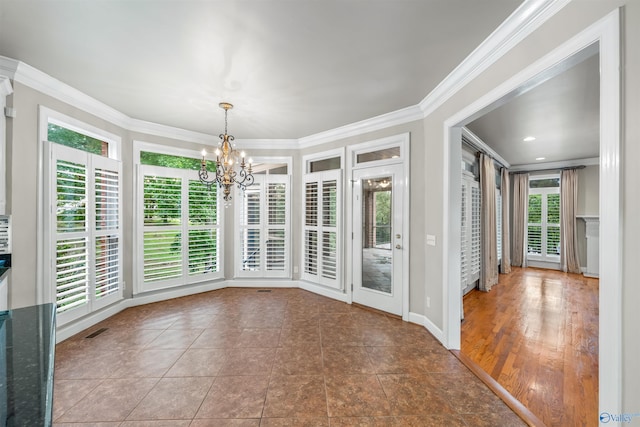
{"x":239,"y":357}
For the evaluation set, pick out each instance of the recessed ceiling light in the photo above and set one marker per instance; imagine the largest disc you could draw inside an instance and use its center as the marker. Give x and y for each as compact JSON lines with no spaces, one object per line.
{"x":540,"y":158}
{"x":529,"y":138}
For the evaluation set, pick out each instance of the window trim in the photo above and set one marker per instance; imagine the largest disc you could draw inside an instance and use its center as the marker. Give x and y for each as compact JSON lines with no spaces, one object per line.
{"x":138,"y":226}
{"x":263,"y":226}
{"x":543,"y":191}
{"x":45,"y":116}
{"x":340,"y":239}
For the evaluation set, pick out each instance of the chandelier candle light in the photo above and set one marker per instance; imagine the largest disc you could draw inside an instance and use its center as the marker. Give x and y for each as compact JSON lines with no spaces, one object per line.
{"x":226,"y":157}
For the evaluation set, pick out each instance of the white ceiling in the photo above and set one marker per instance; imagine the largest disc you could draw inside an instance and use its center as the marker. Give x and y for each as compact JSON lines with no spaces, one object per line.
{"x":292,"y":68}
{"x":562,"y":114}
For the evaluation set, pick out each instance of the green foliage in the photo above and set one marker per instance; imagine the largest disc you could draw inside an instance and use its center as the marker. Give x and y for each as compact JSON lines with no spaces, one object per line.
{"x":77,"y":140}
{"x":535,"y":208}
{"x":162,"y":200}
{"x":176,"y":162}
{"x":553,"y":208}
{"x":383,"y":207}
{"x":553,"y":241}
{"x":544,"y":183}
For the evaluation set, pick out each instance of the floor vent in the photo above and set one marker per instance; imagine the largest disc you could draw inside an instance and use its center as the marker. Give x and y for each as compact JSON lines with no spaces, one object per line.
{"x":96,"y":333}
{"x":264,"y":290}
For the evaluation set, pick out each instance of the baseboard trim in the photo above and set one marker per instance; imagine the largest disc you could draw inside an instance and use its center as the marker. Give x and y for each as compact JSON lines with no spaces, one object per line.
{"x":261,"y":283}
{"x":325,"y":292}
{"x":423,"y":320}
{"x":70,"y":329}
{"x":522,"y":411}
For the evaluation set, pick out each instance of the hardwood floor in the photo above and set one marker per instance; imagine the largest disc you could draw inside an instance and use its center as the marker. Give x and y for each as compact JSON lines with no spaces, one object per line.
{"x":536,"y":333}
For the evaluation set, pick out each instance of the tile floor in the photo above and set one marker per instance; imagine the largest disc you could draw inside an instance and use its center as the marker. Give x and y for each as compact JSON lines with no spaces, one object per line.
{"x":239,"y":357}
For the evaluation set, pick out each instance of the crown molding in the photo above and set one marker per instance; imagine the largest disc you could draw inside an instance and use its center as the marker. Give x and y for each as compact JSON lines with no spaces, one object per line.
{"x":480,"y":145}
{"x":5,"y":86}
{"x":157,"y":129}
{"x":266,"y":144}
{"x":398,"y":117}
{"x":523,"y":21}
{"x":532,"y":167}
{"x":44,"y":83}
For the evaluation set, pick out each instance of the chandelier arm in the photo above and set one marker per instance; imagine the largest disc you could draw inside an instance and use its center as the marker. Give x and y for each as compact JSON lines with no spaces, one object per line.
{"x":226,"y":155}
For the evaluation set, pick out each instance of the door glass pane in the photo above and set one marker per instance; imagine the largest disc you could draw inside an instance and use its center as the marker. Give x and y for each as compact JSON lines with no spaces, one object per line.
{"x":377,"y":258}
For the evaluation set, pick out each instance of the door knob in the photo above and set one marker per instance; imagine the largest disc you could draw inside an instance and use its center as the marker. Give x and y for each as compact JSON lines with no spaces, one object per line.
{"x":398,"y":247}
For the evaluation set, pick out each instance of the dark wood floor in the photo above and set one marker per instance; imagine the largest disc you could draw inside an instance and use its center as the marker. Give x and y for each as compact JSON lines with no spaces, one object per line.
{"x":536,"y":333}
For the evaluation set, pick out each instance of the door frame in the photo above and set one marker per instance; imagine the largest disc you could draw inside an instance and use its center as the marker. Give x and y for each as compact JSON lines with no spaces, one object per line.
{"x":606,"y":34}
{"x":403,"y":142}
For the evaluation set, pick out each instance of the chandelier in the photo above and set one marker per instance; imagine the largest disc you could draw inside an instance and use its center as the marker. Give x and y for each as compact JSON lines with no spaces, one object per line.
{"x":231,"y":167}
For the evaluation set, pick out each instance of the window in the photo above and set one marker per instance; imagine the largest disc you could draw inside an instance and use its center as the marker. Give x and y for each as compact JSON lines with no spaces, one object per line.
{"x":470,"y":231}
{"x":262,"y":226}
{"x":322,"y":222}
{"x":543,"y":230}
{"x":180,"y":229}
{"x":84,"y":236}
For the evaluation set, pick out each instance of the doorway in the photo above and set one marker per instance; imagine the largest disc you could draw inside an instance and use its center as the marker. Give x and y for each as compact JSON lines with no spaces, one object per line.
{"x":605,"y":36}
{"x":378,"y":238}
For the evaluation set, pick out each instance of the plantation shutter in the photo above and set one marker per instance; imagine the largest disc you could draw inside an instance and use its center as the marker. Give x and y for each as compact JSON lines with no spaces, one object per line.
{"x":107,"y":264}
{"x":553,"y":224}
{"x":276,"y":223}
{"x":162,"y":235}
{"x":470,"y":232}
{"x":322,"y":216}
{"x":203,"y":233}
{"x":474,"y":271}
{"x":72,"y":233}
{"x":86,"y":249}
{"x":534,"y":229}
{"x":263,"y":213}
{"x":179,"y":219}
{"x":464,"y":231}
{"x":310,"y":268}
{"x":250,"y":214}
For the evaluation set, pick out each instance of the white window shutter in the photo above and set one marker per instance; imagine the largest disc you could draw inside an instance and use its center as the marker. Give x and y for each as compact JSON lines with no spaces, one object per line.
{"x":263,"y":212}
{"x":179,"y":224}
{"x":322,"y":239}
{"x":85,"y":228}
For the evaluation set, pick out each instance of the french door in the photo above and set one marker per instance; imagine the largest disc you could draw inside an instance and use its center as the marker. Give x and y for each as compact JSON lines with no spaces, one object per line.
{"x":377,"y":237}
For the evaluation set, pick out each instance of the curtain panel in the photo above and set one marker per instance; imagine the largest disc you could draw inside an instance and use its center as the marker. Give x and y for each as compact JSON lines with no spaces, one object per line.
{"x":520,"y":219}
{"x":506,"y":235}
{"x":489,"y":249}
{"x":568,"y":236}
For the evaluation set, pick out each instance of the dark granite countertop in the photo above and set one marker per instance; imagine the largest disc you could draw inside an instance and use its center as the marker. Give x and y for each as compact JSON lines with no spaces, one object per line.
{"x":27,"y":346}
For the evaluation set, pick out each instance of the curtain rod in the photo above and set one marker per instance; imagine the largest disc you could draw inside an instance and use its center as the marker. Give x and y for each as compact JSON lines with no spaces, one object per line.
{"x":551,"y":169}
{"x":479,"y":151}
